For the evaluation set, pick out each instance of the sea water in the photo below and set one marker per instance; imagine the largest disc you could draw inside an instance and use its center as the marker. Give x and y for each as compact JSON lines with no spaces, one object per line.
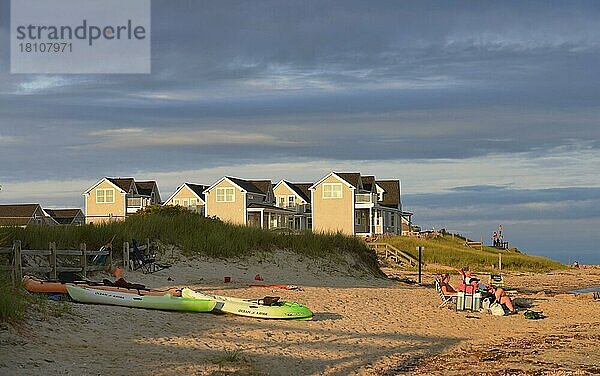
{"x":586,"y":290}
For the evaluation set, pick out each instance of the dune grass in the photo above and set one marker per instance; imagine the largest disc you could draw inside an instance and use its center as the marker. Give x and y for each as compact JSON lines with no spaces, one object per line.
{"x":453,"y":252}
{"x":12,"y":302}
{"x":193,"y":234}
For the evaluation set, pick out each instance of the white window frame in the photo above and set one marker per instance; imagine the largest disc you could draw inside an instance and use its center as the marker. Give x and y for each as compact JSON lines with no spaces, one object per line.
{"x":281,"y":201}
{"x":328,"y":190}
{"x":291,"y":201}
{"x":224,"y":192}
{"x":104,"y":191}
{"x":176,"y":202}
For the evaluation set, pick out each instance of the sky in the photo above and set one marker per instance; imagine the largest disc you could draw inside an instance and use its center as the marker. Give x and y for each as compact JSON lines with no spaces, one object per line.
{"x":488,"y":112}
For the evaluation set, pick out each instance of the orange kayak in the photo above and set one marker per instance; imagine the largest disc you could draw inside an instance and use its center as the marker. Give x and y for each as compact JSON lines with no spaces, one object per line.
{"x":33,"y":284}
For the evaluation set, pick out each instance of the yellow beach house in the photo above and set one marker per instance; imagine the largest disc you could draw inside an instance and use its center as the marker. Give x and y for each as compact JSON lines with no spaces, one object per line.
{"x":190,"y":196}
{"x":245,"y":202}
{"x":295,"y":197}
{"x":115,"y":198}
{"x":356,"y":205}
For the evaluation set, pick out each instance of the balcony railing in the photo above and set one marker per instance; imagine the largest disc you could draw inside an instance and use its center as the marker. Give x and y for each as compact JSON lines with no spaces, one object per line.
{"x":134,"y":202}
{"x":366,"y":198}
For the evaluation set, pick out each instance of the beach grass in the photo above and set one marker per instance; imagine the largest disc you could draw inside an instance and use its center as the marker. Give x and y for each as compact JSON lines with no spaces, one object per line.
{"x":451,"y":251}
{"x":194,"y":235}
{"x":12,"y":302}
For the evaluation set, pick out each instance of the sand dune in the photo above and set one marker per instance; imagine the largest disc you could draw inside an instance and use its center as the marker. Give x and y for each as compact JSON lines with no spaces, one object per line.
{"x":362,"y":325}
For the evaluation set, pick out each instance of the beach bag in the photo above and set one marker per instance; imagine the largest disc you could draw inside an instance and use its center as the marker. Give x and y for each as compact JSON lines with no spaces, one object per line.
{"x":497,"y":309}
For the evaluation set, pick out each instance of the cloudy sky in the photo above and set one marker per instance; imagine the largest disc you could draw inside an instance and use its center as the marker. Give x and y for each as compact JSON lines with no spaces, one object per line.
{"x":487,"y":112}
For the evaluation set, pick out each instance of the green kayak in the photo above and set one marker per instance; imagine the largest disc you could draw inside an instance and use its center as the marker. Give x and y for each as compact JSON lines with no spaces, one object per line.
{"x":165,"y":302}
{"x":261,"y":308}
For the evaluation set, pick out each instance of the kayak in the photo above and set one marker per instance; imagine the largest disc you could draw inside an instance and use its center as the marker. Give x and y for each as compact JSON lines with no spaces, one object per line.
{"x":261,"y":308}
{"x":33,"y":284}
{"x":165,"y":302}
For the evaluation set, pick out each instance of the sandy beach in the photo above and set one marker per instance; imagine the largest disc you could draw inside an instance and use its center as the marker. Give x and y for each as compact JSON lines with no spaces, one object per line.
{"x":362,"y":325}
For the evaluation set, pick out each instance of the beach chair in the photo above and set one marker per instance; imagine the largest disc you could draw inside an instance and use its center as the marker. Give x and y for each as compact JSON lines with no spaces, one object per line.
{"x":446,"y":299}
{"x":146,"y":264}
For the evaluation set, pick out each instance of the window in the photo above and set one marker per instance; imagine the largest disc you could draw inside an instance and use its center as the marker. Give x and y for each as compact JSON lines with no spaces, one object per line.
{"x":193,"y":202}
{"x":184,"y":202}
{"x":105,"y":196}
{"x":176,"y":202}
{"x":290,"y":201}
{"x":281,"y":201}
{"x":392,"y":218}
{"x":225,"y":195}
{"x":332,"y":190}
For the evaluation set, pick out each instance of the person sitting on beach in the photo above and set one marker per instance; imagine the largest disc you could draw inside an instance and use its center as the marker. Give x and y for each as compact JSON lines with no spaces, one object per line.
{"x":495,"y":294}
{"x":445,"y":286}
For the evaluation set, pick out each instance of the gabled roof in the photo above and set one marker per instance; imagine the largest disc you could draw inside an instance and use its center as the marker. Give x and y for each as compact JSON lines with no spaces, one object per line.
{"x":124,"y":183}
{"x":64,"y":216}
{"x":301,"y":189}
{"x":242,"y":184}
{"x":145,"y":188}
{"x":246,"y":185}
{"x":197,"y":189}
{"x":391,"y":197}
{"x":17,"y":214}
{"x":263,"y":185}
{"x":352,"y":179}
{"x":111,"y":181}
{"x":367,"y":182}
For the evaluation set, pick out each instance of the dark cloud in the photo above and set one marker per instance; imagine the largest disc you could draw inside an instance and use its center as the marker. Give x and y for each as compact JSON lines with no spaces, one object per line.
{"x":334,"y":81}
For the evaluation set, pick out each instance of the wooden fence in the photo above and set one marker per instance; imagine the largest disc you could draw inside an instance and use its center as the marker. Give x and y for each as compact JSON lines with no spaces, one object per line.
{"x":55,"y":263}
{"x":388,"y":251}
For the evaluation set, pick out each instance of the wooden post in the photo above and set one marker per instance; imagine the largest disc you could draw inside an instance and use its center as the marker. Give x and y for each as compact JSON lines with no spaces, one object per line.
{"x":83,"y":259}
{"x":500,"y":261}
{"x":53,"y":273}
{"x":420,"y":249}
{"x":126,"y":265}
{"x":17,"y":263}
{"x":110,"y":258}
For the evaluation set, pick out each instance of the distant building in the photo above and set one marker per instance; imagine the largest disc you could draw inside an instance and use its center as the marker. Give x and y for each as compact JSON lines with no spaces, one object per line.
{"x":66,"y":216}
{"x":295,"y":197}
{"x":23,"y":215}
{"x":190,"y":196}
{"x":356,"y":205}
{"x":246,"y":202}
{"x":116,"y":198}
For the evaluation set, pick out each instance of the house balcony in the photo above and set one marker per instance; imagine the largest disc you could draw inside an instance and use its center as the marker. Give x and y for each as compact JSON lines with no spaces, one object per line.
{"x":134,"y":204}
{"x":365,"y":200}
{"x":303,"y":208}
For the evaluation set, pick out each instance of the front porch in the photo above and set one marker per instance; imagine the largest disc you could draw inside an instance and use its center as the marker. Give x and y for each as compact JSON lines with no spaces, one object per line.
{"x":269,"y":217}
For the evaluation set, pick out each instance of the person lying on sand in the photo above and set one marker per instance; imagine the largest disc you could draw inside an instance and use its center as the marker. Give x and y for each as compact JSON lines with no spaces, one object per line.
{"x":495,"y":294}
{"x":445,"y":285}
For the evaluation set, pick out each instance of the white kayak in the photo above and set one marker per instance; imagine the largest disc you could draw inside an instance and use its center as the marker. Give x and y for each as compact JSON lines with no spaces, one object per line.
{"x":164,"y":302}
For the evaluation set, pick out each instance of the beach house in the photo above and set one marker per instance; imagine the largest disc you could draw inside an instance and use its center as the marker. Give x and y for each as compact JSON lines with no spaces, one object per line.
{"x":295,"y":197}
{"x":356,"y":205}
{"x":246,"y":202}
{"x":190,"y":196}
{"x":66,"y":216}
{"x":23,"y":215}
{"x":116,"y":198}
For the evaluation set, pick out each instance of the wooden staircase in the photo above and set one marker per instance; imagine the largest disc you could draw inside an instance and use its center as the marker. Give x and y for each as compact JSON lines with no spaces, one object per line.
{"x":389,"y":252}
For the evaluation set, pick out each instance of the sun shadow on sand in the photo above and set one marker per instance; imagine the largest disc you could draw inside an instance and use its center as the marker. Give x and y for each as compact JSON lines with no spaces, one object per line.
{"x":325,"y":316}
